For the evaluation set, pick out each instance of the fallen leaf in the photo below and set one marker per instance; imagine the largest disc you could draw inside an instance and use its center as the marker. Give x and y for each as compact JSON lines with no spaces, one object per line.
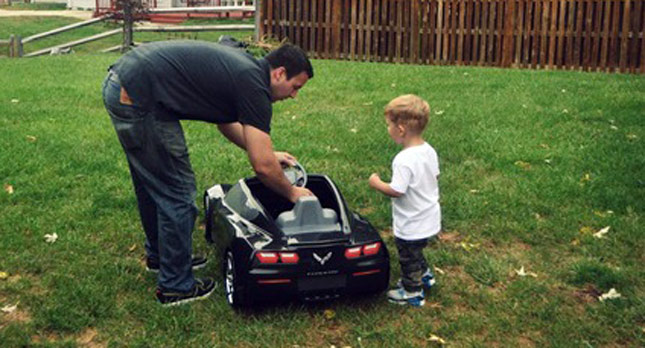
{"x":524,"y":106}
{"x":564,"y":90}
{"x":294,"y":117}
{"x":586,"y":230}
{"x":9,"y":308}
{"x":8,"y":188}
{"x":4,"y":275}
{"x":610,"y":295}
{"x":51,"y":238}
{"x":15,"y":100}
{"x":522,"y":273}
{"x":469,"y":246}
{"x":575,"y":242}
{"x":631,"y":136}
{"x":586,"y":177}
{"x":329,"y":314}
{"x":368,"y":103}
{"x":393,"y":85}
{"x":31,"y":138}
{"x":435,"y":338}
{"x":602,"y":232}
{"x":474,"y":191}
{"x":439,"y":270}
{"x":603,"y":214}
{"x":547,"y":160}
{"x":544,"y":146}
{"x":565,"y":111}
{"x":523,"y":165}
{"x":132,"y":247}
{"x":354,"y":130}
{"x":613,"y":127}
{"x":466,"y":74}
{"x":439,"y":112}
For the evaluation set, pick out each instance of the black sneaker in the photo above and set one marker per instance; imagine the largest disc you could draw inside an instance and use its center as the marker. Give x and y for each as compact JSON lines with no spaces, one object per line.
{"x":202,"y":289}
{"x":152,"y":264}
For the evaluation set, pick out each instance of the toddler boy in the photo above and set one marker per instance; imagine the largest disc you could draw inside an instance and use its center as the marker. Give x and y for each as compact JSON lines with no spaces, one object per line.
{"x":416,"y":215}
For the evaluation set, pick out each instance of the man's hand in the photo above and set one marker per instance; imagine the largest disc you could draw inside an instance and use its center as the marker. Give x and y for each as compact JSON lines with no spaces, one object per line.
{"x":285,"y":158}
{"x":298,"y":192}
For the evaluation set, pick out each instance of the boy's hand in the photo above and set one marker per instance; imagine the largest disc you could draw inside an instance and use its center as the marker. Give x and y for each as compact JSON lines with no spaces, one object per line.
{"x":374,"y":180}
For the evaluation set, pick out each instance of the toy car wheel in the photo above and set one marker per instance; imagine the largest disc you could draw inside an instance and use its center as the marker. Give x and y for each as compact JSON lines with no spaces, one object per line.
{"x":234,"y":296}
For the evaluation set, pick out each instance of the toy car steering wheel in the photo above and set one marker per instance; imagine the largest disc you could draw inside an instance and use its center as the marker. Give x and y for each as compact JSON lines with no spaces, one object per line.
{"x":296,"y":175}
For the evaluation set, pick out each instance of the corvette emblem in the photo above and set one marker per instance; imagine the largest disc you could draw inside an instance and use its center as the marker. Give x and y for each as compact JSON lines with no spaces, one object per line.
{"x":322,"y":260}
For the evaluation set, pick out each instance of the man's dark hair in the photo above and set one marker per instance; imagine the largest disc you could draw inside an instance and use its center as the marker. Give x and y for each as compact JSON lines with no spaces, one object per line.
{"x":292,"y":58}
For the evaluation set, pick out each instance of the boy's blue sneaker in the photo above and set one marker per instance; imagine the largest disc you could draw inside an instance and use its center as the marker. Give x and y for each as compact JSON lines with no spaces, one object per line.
{"x":403,"y":297}
{"x":427,"y":278}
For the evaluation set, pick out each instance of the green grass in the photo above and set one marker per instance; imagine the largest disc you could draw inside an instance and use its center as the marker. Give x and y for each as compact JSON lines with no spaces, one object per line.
{"x":27,"y":26}
{"x":532,"y":161}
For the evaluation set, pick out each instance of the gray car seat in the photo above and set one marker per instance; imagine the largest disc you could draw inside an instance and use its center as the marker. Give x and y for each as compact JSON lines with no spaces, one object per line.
{"x":308,"y":216}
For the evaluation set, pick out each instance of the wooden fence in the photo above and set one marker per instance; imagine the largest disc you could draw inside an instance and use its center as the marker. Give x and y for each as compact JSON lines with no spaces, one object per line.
{"x":592,"y":35}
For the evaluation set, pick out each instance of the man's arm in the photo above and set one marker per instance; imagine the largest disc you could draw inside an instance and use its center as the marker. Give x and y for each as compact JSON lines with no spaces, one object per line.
{"x":265,"y":164}
{"x":233,"y":132}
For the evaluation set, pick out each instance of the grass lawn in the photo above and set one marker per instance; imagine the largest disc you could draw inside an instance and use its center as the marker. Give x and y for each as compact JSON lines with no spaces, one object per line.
{"x":534,"y":163}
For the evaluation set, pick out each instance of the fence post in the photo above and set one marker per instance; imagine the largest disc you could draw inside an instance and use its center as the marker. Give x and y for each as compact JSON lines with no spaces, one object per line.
{"x":11,"y":39}
{"x":259,"y":29}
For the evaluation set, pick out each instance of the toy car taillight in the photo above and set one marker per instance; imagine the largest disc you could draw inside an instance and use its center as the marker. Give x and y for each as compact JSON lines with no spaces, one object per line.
{"x":371,"y":249}
{"x":365,"y":250}
{"x":289,"y":257}
{"x":352,"y":253}
{"x":265,"y":257}
{"x":273,"y":257}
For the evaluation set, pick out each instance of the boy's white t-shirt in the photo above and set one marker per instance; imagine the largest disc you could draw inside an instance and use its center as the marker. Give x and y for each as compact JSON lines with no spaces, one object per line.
{"x":416,"y":214}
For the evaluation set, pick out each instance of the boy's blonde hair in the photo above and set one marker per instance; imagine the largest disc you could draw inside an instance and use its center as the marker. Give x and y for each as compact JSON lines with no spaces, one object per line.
{"x":410,"y":111}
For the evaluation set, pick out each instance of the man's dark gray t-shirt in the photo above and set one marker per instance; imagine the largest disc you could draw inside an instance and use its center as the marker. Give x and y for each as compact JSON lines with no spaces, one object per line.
{"x":199,"y":81}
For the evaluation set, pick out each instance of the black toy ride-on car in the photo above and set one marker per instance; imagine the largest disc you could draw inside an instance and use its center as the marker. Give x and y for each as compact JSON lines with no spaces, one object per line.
{"x":272,"y":249}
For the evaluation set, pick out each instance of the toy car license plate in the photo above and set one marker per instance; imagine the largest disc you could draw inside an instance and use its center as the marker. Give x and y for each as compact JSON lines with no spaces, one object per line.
{"x":322,"y":282}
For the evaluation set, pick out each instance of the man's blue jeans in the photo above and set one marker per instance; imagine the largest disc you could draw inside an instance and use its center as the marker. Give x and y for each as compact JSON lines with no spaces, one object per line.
{"x":164,"y":183}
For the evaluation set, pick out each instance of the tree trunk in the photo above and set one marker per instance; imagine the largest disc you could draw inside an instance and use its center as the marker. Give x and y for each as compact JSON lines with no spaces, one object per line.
{"x":128,"y":21}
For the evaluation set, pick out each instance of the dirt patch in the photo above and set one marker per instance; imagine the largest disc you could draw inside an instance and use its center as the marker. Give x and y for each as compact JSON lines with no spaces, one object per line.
{"x":88,"y":339}
{"x":450,"y":237}
{"x":588,"y":294}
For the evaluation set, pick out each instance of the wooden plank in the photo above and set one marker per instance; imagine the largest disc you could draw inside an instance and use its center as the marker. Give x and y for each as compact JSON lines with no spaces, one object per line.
{"x":361,"y":30}
{"x":492,"y":33}
{"x":369,"y":13}
{"x":624,"y":36}
{"x":449,"y":40}
{"x":613,"y":42}
{"x":460,"y":34}
{"x":352,"y":28}
{"x":636,"y":29}
{"x":336,"y":22}
{"x":552,"y":33}
{"x":605,"y":35}
{"x":586,"y":47}
{"x":476,"y":31}
{"x":484,"y":31}
{"x":423,"y":28}
{"x":560,"y":33}
{"x":405,"y":31}
{"x":520,"y":14}
{"x":432,"y":32}
{"x":65,"y":28}
{"x":642,"y":42}
{"x":383,"y":36}
{"x":468,"y":16}
{"x":597,"y":25}
{"x":76,"y":42}
{"x":415,"y":32}
{"x":509,"y":29}
{"x":399,"y":30}
{"x":536,"y":32}
{"x":571,"y":27}
{"x":529,"y":33}
{"x":268,"y":23}
{"x":284,"y":27}
{"x":300,"y":23}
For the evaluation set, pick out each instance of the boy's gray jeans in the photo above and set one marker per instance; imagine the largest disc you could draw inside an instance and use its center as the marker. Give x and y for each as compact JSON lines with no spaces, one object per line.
{"x":413,"y":263}
{"x":164,"y":183}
